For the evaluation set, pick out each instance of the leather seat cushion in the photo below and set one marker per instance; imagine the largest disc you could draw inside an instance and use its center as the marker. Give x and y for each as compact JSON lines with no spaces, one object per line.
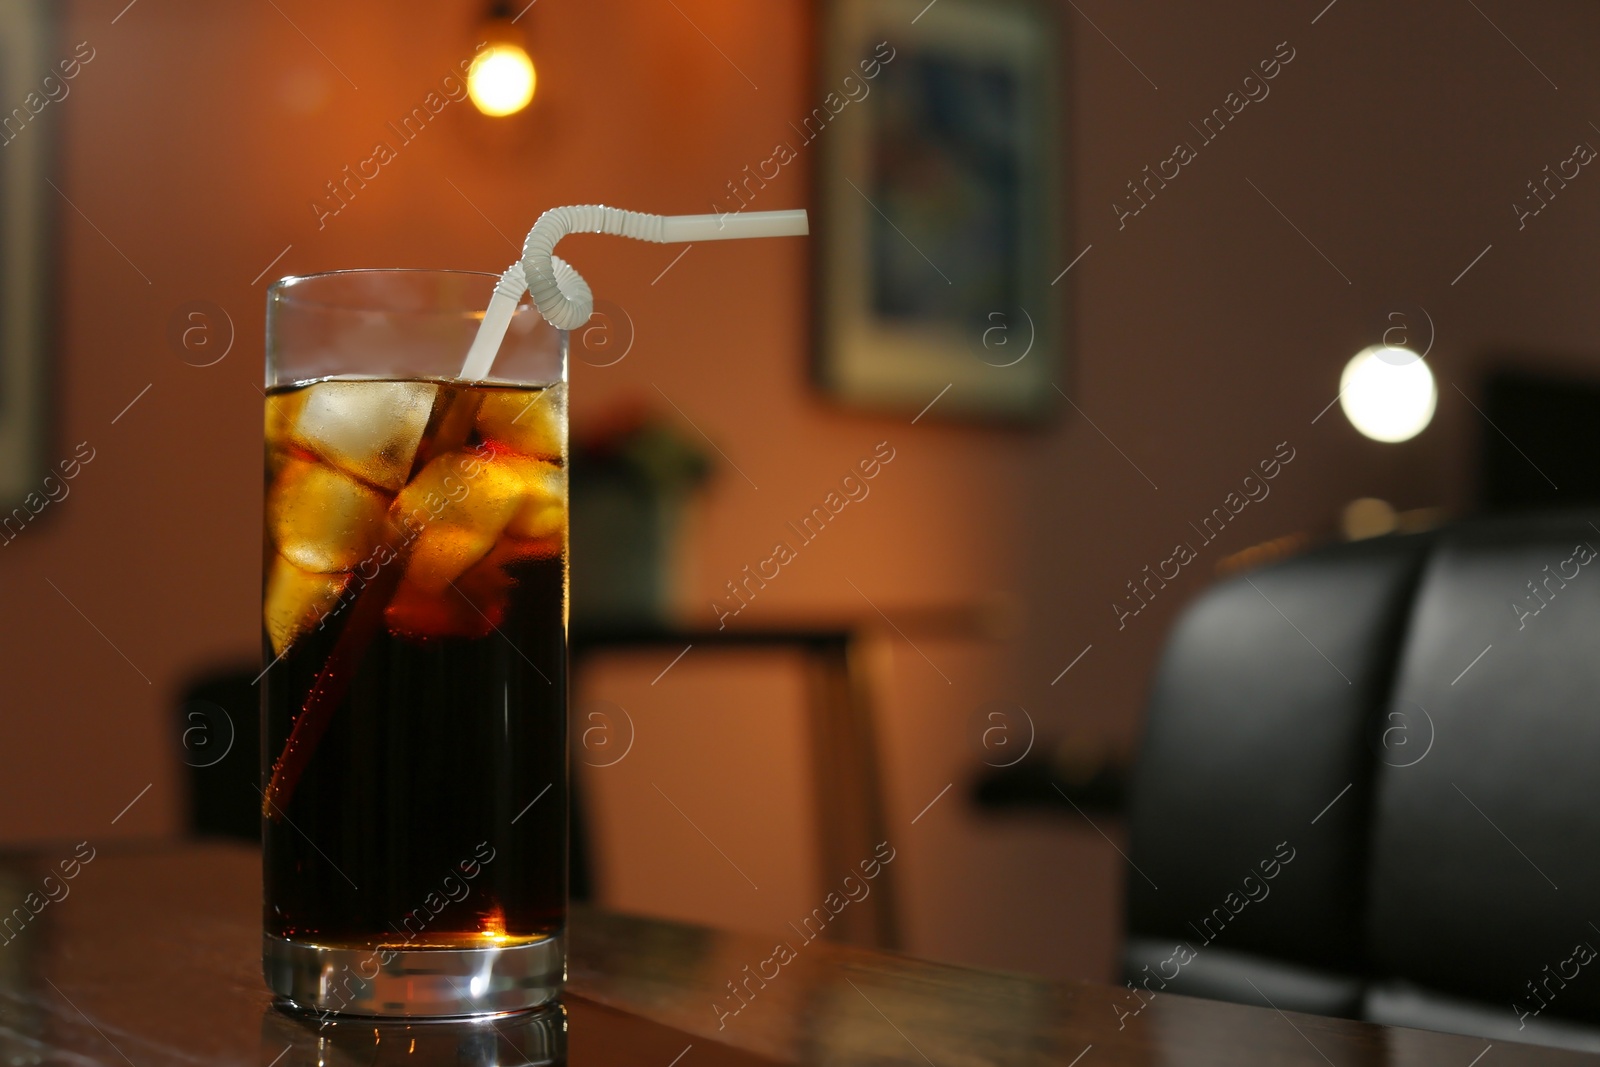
{"x":1261,"y":715}
{"x":1485,"y":872}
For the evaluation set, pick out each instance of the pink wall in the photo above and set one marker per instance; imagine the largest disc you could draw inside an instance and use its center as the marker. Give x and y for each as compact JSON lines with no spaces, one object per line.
{"x":1207,"y":331}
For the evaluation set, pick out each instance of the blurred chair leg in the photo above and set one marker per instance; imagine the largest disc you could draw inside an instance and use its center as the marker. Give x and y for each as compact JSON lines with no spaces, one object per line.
{"x":849,"y":791}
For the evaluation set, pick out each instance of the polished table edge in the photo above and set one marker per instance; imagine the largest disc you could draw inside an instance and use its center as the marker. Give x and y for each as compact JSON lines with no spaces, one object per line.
{"x":788,"y":998}
{"x":616,"y":962}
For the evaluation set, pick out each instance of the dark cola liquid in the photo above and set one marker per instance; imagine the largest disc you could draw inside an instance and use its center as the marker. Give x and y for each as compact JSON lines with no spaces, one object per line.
{"x":432,"y":811}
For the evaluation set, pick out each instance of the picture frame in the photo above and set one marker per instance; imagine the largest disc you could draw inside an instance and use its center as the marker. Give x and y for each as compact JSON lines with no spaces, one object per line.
{"x":26,"y":249}
{"x":940,"y":202}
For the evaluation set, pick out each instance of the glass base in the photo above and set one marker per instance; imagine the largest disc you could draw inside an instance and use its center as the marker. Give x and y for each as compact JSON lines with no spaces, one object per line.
{"x":414,"y":982}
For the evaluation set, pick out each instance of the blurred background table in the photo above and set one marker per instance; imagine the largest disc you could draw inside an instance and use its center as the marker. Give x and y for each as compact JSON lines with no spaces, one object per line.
{"x":153,"y":958}
{"x":844,"y":763}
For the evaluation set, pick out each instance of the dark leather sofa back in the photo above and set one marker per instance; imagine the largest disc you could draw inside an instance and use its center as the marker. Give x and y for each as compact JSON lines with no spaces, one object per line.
{"x":1419,"y":727}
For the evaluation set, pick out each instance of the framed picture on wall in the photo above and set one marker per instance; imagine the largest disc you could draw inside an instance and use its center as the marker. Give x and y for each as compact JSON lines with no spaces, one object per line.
{"x":940,"y":200}
{"x":26,"y":208}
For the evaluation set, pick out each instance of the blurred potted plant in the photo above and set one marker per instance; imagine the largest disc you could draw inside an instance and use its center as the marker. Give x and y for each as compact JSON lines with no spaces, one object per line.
{"x":633,"y":477}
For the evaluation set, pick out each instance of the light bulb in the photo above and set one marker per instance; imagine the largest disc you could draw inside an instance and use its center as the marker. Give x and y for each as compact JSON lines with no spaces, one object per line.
{"x":1388,"y":393}
{"x":501,"y":79}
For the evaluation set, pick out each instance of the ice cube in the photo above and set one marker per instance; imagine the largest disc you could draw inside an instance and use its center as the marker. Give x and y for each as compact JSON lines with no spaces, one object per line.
{"x":442,"y":554}
{"x":533,"y":423}
{"x":296,"y":600}
{"x":460,"y":502}
{"x":471,"y":606}
{"x":543,"y":511}
{"x":509,"y":550}
{"x":322,"y":519}
{"x":369,"y":429}
{"x":282,"y":410}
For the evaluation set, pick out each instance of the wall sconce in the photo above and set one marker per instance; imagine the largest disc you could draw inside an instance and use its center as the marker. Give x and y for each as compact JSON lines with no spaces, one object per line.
{"x":1388,"y":393}
{"x":501,"y":79}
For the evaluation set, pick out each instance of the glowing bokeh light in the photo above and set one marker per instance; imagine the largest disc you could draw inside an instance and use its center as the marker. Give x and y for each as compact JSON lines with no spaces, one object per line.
{"x":1388,"y":393}
{"x":501,"y":80}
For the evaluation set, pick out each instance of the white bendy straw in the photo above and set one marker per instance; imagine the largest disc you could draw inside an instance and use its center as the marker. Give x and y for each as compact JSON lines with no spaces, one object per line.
{"x":561,"y":294}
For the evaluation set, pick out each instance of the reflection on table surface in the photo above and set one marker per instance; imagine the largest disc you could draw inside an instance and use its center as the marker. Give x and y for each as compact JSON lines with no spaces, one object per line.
{"x":529,"y":1039}
{"x":151,"y":956}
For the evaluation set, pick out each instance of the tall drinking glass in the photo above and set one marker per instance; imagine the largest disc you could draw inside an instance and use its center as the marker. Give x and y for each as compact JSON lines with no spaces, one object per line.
{"x":414,"y":780}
